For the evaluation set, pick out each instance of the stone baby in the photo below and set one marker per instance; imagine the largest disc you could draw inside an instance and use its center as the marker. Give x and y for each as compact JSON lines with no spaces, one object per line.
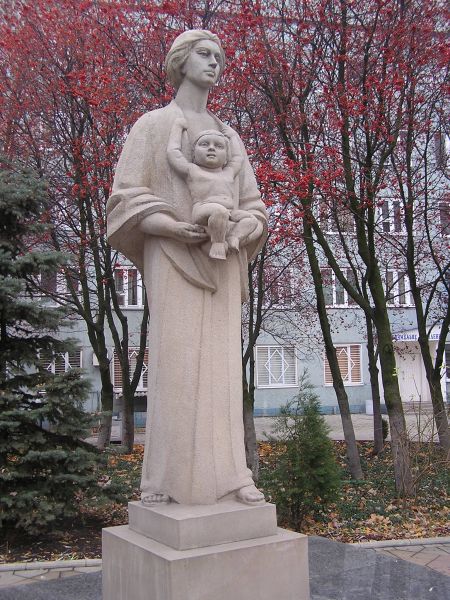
{"x":211,"y":181}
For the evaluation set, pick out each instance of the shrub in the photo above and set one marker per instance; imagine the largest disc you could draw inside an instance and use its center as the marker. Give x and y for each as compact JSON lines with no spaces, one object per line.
{"x":45,"y":469}
{"x":303,"y":477}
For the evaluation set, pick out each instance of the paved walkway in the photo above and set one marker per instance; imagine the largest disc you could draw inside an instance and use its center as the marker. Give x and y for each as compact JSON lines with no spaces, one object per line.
{"x":363,"y":425}
{"x":433,"y":553}
{"x":337,"y":572}
{"x":24,"y":573}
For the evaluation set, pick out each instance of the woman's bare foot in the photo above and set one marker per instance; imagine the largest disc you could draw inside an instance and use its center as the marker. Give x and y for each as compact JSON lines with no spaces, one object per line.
{"x":152,"y":498}
{"x":250,"y":495}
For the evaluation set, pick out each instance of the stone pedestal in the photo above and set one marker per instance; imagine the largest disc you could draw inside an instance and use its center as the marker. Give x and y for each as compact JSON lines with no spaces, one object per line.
{"x":226,"y":551}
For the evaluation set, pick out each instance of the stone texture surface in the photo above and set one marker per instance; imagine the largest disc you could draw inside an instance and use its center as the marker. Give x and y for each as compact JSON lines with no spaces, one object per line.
{"x":182,"y":527}
{"x":263,"y":569}
{"x":194,"y":449}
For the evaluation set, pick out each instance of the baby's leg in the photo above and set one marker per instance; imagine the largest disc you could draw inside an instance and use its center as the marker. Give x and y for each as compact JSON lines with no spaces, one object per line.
{"x":216,"y":218}
{"x":244,"y":224}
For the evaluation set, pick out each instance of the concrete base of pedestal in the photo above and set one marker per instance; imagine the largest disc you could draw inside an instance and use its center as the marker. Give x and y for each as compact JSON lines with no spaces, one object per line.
{"x":136,"y":567}
{"x":183,"y":527}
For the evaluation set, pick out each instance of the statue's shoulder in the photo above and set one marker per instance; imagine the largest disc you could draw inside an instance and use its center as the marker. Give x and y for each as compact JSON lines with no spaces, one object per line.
{"x":159,"y":117}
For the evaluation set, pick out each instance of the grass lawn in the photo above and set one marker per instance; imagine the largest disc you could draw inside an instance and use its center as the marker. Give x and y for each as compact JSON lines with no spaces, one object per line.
{"x":366,"y":510}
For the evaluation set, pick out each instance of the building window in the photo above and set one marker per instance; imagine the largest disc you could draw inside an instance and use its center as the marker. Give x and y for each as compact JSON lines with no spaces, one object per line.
{"x":440,"y":150}
{"x":49,"y":282}
{"x":54,"y":284}
{"x":334,"y":292}
{"x":129,"y":289}
{"x":349,"y":359}
{"x":276,"y":366}
{"x":132,"y":357}
{"x":398,"y":290}
{"x":61,"y":362}
{"x":447,"y":362}
{"x":336,"y":219}
{"x":391,"y":217}
{"x":279,"y":287}
{"x":444,"y":216}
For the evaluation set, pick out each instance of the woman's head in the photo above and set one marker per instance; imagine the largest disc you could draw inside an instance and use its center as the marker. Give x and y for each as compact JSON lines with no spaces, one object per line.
{"x":180,"y":50}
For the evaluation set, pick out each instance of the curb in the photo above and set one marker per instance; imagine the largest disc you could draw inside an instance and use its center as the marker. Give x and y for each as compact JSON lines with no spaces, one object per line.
{"x":97,"y":562}
{"x":408,"y":542}
{"x":51,"y":564}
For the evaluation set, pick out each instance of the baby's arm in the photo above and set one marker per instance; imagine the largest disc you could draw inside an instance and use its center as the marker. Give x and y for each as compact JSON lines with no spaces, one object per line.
{"x":176,"y":158}
{"x":236,"y":160}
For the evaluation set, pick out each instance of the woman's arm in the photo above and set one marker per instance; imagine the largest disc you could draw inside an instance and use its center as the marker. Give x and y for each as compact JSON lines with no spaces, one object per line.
{"x":164,"y":225}
{"x":236,"y":160}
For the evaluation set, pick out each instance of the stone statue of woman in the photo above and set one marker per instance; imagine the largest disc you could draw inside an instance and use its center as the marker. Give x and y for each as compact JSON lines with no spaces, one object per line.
{"x":194,"y":449}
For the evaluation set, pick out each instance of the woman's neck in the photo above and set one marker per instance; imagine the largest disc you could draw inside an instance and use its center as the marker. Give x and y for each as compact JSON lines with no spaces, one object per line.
{"x":190,"y":97}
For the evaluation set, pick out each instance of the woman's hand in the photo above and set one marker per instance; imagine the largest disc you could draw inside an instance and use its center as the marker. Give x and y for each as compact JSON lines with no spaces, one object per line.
{"x":227,"y":131}
{"x":189,"y":234}
{"x":163,"y":225}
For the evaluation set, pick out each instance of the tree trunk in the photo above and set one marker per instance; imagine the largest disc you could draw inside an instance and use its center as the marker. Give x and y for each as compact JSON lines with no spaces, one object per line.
{"x":399,"y":436}
{"x":353,"y":458}
{"x":128,"y":419}
{"x":107,"y":396}
{"x":378,"y":442}
{"x":439,"y":412}
{"x":251,"y":444}
{"x":434,"y":383}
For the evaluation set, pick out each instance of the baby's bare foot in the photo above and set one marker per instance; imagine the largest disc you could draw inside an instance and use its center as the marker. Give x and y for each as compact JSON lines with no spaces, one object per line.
{"x":218,"y":250}
{"x":152,"y":498}
{"x":233,"y":243}
{"x":250,"y":495}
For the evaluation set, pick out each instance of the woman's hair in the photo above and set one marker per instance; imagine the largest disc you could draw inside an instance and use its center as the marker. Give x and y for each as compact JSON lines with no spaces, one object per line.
{"x":180,"y":49}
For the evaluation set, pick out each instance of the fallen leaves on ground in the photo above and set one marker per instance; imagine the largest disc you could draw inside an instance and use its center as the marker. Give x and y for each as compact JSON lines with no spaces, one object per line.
{"x":367,"y":510}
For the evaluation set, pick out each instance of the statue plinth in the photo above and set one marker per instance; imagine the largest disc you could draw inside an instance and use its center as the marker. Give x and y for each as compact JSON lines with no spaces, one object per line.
{"x":216,"y":552}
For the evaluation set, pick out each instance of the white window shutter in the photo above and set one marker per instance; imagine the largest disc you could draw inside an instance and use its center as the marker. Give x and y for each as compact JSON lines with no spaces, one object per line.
{"x":355,"y":363}
{"x":262,"y":372}
{"x":276,"y":366}
{"x":349,"y":361}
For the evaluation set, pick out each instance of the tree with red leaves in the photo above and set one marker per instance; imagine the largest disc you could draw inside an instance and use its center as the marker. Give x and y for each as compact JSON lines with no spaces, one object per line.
{"x":65,"y":74}
{"x":330,"y":76}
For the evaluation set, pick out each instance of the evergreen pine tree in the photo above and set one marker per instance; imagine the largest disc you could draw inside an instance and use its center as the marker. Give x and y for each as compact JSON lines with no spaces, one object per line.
{"x":44,"y":467}
{"x":304,"y":476}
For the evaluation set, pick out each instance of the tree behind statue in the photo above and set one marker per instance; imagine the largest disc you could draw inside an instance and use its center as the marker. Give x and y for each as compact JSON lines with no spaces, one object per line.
{"x":302,"y":476}
{"x":45,"y":470}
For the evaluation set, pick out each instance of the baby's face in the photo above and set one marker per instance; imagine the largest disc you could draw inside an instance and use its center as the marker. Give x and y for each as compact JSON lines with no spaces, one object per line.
{"x":210,"y":151}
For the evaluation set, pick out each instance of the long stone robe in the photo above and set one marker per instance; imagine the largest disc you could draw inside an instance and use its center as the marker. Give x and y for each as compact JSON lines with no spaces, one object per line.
{"x":194,"y":449}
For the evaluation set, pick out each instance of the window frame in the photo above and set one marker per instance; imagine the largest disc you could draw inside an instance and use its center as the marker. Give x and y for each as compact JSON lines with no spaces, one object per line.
{"x":336,"y":286}
{"x":277,"y":348}
{"x":331,"y":216}
{"x":447,"y":362}
{"x":394,"y":294}
{"x":389,"y":223}
{"x":117,"y":375}
{"x":125,"y":289}
{"x":444,"y":217}
{"x":281,"y":294}
{"x":328,"y":382}
{"x":51,"y":365}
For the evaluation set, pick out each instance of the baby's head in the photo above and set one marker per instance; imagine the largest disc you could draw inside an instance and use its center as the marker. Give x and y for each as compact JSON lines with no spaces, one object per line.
{"x":211,"y":149}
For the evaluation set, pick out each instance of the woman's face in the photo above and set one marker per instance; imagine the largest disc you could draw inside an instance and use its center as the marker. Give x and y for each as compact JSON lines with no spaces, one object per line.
{"x":202,"y":66}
